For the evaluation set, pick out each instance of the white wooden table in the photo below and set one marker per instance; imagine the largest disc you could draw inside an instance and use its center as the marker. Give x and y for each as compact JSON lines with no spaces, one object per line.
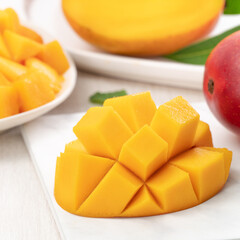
{"x":24,"y":211}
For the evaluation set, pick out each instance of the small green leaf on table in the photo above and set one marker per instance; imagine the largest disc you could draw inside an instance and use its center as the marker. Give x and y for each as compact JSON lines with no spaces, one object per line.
{"x":198,"y":52}
{"x":99,"y":98}
{"x":232,"y":7}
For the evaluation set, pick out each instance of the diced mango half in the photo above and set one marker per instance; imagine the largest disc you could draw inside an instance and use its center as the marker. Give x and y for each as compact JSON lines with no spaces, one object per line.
{"x":176,"y":122}
{"x":97,"y":131}
{"x":8,"y":101}
{"x":34,"y":90}
{"x":206,"y":169}
{"x":11,"y":70}
{"x":136,"y":110}
{"x":155,"y":167}
{"x":21,"y":48}
{"x":172,"y":188}
{"x":118,"y":187}
{"x":144,"y":152}
{"x":3,"y":49}
{"x":77,"y":174}
{"x":53,"y":55}
{"x":203,"y":136}
{"x":143,"y":204}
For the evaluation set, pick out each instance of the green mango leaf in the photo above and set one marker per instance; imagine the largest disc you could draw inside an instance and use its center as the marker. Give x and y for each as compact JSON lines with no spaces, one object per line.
{"x":232,"y":7}
{"x":99,"y":98}
{"x":198,"y":52}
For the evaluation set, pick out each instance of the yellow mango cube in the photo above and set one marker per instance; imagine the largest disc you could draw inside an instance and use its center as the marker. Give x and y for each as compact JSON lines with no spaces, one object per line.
{"x":33,"y":90}
{"x":20,"y":47}
{"x":97,"y":131}
{"x":206,"y":169}
{"x":143,"y":204}
{"x":77,"y":174}
{"x":53,"y":55}
{"x":3,"y":49}
{"x":176,"y":122}
{"x":227,"y":158}
{"x":4,"y":81}
{"x":54,"y":77}
{"x":172,"y":188}
{"x":203,"y":136}
{"x":75,"y":145}
{"x":136,"y":110}
{"x":11,"y":70}
{"x":8,"y":20}
{"x":144,"y":152}
{"x":8,"y":101}
{"x":118,"y":186}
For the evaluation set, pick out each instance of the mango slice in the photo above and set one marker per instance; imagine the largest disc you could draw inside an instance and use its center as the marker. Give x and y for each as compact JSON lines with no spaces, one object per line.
{"x":53,"y":55}
{"x":153,"y":168}
{"x":73,"y":187}
{"x":203,"y":136}
{"x":3,"y":49}
{"x":136,"y":110}
{"x":98,"y":129}
{"x":142,"y":204}
{"x":8,"y":101}
{"x":172,"y":188}
{"x":21,"y":48}
{"x":55,"y":79}
{"x":34,"y":90}
{"x":11,"y":70}
{"x":118,"y":186}
{"x":144,"y":152}
{"x":176,"y":122}
{"x":206,"y":169}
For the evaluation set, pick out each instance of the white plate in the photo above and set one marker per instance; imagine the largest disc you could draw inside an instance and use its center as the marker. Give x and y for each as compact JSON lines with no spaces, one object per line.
{"x":67,"y":87}
{"x":217,"y":218}
{"x":49,"y":16}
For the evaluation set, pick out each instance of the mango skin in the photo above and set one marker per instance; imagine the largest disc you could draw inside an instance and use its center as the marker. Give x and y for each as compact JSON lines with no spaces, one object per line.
{"x":221,"y":82}
{"x":139,"y":45}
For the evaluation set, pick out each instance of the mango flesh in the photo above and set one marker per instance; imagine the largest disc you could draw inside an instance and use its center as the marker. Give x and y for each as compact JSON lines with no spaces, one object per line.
{"x":140,"y":178}
{"x":19,"y":45}
{"x":136,"y":110}
{"x":135,"y":27}
{"x":98,"y":129}
{"x":29,"y":33}
{"x":33,"y":90}
{"x":3,"y":49}
{"x":203,"y":136}
{"x":9,"y":104}
{"x":55,"y":79}
{"x":21,"y":48}
{"x":53,"y":55}
{"x":11,"y":70}
{"x":144,"y":152}
{"x":173,"y":121}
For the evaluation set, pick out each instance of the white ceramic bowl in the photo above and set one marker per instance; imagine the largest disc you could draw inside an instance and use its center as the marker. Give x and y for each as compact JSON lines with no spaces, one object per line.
{"x":67,"y":88}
